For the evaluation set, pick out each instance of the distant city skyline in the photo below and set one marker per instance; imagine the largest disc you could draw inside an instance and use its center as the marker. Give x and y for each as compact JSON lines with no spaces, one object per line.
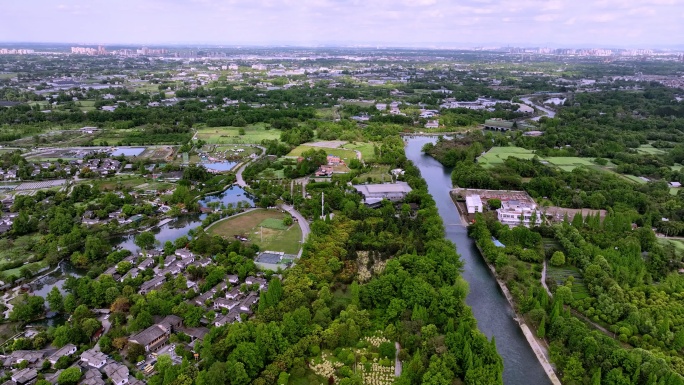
{"x":398,"y":23}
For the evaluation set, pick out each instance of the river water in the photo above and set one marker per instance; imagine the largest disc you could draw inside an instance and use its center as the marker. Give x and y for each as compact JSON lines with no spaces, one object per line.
{"x":495,"y":317}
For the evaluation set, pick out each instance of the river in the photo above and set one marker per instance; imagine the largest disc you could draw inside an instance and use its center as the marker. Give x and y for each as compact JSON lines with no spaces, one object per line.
{"x":495,"y":317}
{"x":549,"y":113}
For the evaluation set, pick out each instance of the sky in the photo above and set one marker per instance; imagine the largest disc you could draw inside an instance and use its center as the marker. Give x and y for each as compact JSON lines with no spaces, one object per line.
{"x":397,"y":23}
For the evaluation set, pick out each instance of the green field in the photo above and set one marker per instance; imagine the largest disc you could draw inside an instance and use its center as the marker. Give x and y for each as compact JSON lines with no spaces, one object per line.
{"x":8,"y":75}
{"x":345,"y":155}
{"x":378,"y":174}
{"x":254,"y":133}
{"x":367,"y":149}
{"x":498,"y":155}
{"x":569,"y":163}
{"x":261,"y":227}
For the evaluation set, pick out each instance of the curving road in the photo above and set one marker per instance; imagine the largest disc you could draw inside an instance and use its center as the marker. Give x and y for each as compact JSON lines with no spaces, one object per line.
{"x":238,"y":174}
{"x":303,"y":224}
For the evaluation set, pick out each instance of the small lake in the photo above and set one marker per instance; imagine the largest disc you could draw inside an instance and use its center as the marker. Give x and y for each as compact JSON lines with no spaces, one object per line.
{"x":219,"y":166}
{"x":128,"y":151}
{"x":230,"y":196}
{"x":169,"y":232}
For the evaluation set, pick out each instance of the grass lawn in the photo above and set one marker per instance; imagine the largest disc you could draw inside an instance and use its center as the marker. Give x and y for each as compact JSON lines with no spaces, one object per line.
{"x":8,"y":75}
{"x":674,"y":190}
{"x":270,"y":173}
{"x":648,"y":149}
{"x":34,"y":267}
{"x":560,"y":274}
{"x":633,"y":178}
{"x":569,"y":163}
{"x":498,"y":155}
{"x":378,"y":174}
{"x":134,"y":181}
{"x":678,"y":244}
{"x":261,"y":227}
{"x":254,"y":133}
{"x":367,"y":149}
{"x":344,"y":154}
{"x":676,"y":167}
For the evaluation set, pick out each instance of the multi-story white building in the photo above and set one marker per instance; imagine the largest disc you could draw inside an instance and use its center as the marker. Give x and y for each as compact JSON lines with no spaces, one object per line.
{"x":515,"y":213}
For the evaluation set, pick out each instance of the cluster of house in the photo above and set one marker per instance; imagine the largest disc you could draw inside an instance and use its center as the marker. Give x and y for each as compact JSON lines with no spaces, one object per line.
{"x":235,"y":301}
{"x":6,"y":222}
{"x":104,"y":166}
{"x":328,"y":168}
{"x":93,"y":365}
{"x":174,"y":264}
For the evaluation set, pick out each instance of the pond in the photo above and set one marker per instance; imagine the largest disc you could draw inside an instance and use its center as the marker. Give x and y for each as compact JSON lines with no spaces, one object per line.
{"x":219,"y":166}
{"x":128,"y":151}
{"x":231,"y":195}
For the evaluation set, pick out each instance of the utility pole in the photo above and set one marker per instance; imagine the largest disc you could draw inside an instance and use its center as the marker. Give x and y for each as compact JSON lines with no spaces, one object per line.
{"x":322,"y":205}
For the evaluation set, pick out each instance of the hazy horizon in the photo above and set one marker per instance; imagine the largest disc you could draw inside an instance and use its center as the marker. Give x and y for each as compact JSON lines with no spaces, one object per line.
{"x":400,"y":23}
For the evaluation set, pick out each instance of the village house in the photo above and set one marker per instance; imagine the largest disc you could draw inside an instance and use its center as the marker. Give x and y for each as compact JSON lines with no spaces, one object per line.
{"x":117,"y":373}
{"x":24,"y":376}
{"x":151,"y":284}
{"x":156,"y":335}
{"x":66,"y":350}
{"x":94,"y":358}
{"x":224,"y":303}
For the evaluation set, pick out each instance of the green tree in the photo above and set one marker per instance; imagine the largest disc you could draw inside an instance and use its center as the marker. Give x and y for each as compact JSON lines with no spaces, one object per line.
{"x":69,"y":376}
{"x":145,"y":240}
{"x":558,"y":259}
{"x":55,"y":300}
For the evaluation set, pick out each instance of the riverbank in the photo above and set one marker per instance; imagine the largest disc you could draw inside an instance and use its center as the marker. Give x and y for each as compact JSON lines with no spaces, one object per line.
{"x":539,"y":351}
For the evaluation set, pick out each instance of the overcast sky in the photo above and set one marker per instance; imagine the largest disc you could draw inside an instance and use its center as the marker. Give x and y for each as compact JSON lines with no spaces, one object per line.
{"x":552,"y":23}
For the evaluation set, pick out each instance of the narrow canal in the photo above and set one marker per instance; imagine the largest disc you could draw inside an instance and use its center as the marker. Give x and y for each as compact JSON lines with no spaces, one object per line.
{"x":494,"y":315}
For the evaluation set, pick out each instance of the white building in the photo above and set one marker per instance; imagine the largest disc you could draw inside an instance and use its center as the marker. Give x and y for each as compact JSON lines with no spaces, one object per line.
{"x":515,"y":213}
{"x":473,"y":204}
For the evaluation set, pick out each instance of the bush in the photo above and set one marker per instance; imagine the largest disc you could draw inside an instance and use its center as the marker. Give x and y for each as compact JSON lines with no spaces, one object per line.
{"x":558,"y":259}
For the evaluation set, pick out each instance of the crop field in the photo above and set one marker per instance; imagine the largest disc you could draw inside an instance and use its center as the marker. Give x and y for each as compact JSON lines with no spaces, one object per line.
{"x":261,"y":227}
{"x":560,"y":274}
{"x":254,"y":133}
{"x":344,"y":154}
{"x":498,"y":155}
{"x":158,"y":153}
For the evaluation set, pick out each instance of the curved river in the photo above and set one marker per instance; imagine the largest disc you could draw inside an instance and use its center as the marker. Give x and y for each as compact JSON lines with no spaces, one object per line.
{"x":495,"y":317}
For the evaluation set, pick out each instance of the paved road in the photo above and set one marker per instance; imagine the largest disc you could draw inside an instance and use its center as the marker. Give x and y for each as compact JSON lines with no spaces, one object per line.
{"x":238,"y":174}
{"x":303,"y":224}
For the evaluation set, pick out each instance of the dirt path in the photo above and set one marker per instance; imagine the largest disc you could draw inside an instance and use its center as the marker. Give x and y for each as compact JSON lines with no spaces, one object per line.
{"x":543,"y":280}
{"x":397,"y":363}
